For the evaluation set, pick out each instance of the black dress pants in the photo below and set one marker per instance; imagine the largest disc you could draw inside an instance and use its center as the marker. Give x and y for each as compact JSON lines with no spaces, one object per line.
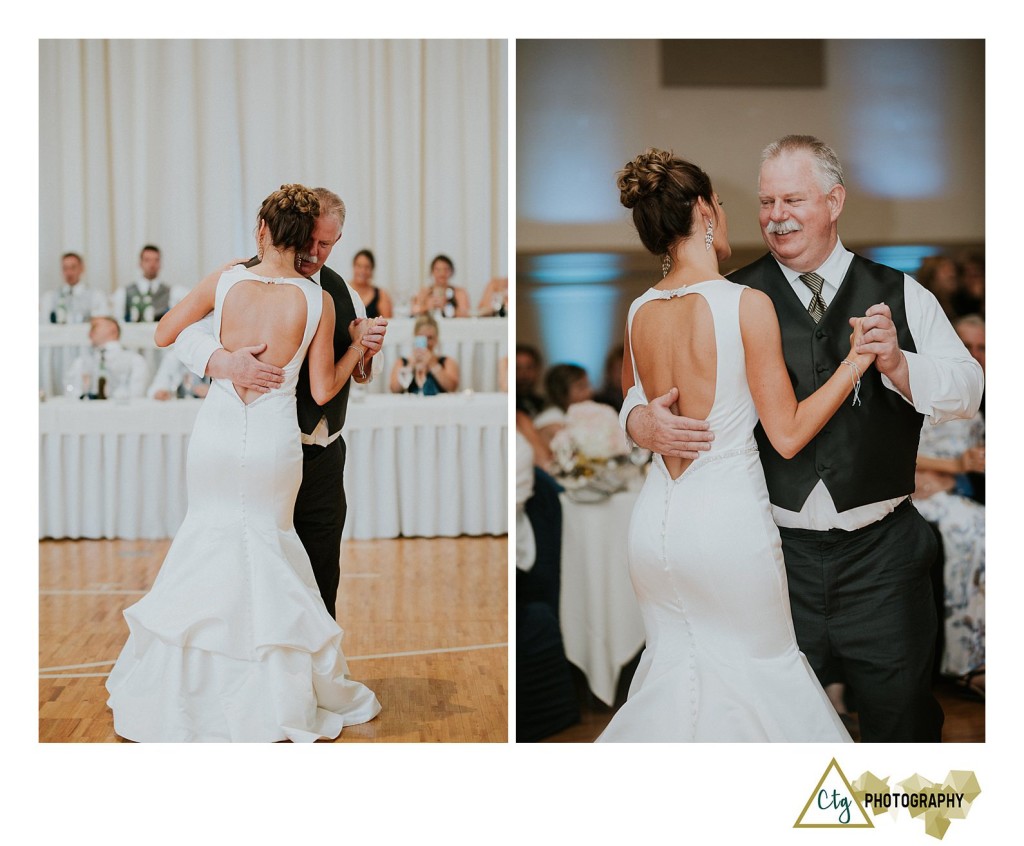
{"x":864,"y":613}
{"x":320,"y":510}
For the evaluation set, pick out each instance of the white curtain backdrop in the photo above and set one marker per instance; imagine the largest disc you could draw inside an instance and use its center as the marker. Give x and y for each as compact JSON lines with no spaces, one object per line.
{"x":176,"y":143}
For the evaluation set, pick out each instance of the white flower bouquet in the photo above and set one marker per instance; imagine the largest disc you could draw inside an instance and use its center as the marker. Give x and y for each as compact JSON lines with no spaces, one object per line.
{"x":590,"y":440}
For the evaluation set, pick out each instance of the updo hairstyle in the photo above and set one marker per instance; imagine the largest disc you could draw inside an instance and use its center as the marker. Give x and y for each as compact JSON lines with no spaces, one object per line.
{"x":662,"y":190}
{"x":290,"y":214}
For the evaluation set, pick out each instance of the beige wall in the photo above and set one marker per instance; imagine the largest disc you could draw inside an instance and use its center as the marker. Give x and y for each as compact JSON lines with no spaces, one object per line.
{"x":905,"y":117}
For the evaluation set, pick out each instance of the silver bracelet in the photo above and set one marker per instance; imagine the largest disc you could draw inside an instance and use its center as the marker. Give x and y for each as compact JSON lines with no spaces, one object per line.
{"x":361,"y":351}
{"x":855,"y":381}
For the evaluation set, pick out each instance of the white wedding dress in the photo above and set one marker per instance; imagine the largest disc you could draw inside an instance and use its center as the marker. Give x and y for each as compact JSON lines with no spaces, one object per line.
{"x":721,"y":662}
{"x":233,"y":642}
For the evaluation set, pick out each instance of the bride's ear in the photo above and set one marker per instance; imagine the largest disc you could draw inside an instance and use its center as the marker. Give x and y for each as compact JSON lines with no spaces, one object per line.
{"x":704,"y":213}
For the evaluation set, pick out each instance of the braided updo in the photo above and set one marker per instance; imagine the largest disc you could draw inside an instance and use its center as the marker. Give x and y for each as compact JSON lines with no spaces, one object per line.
{"x":662,"y":190}
{"x":290,"y":214}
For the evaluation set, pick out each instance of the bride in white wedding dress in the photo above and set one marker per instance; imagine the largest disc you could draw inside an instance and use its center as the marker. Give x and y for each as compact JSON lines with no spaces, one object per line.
{"x":721,"y":662}
{"x":233,"y":642}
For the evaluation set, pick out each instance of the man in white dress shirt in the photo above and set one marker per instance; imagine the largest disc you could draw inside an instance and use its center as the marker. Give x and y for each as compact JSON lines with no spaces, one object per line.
{"x":174,"y":380}
{"x":73,"y":301}
{"x":108,"y":370}
{"x":857,"y":553}
{"x":148,"y":298}
{"x":321,"y":505}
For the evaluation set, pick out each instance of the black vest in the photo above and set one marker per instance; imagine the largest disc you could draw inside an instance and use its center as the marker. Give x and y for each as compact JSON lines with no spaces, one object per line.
{"x":865,"y":453}
{"x":344,"y":313}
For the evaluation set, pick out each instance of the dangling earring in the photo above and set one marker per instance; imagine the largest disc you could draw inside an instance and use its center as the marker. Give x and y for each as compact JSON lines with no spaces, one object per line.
{"x":666,"y":265}
{"x":259,"y":250}
{"x":298,"y":263}
{"x":709,"y":236}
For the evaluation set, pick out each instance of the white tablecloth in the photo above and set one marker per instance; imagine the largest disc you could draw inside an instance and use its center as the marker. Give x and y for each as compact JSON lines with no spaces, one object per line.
{"x":476,"y":343}
{"x":601,"y":624}
{"x":416,"y":466}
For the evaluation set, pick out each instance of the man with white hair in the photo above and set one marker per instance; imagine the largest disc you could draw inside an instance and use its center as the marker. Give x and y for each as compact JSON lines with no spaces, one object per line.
{"x":857,"y":553}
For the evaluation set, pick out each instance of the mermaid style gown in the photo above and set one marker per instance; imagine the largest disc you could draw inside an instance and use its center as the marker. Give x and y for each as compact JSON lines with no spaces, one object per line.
{"x":233,"y":642}
{"x":721,"y":662}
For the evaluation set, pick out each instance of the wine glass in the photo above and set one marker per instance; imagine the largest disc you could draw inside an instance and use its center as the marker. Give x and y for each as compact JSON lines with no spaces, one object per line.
{"x":405,"y":376}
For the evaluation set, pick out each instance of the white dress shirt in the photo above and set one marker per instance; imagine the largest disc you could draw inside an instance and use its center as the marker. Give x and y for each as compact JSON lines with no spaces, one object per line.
{"x":79,"y":302}
{"x":145,"y":286}
{"x":125,"y":369}
{"x":171,"y":375}
{"x":946,"y":382}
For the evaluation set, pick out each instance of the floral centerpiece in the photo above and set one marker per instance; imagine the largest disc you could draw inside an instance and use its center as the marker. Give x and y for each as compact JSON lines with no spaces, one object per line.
{"x":591,"y":439}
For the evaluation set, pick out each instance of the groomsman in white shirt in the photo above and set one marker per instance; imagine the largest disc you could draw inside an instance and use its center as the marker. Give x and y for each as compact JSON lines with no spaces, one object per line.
{"x":148,"y":298}
{"x":73,"y":301}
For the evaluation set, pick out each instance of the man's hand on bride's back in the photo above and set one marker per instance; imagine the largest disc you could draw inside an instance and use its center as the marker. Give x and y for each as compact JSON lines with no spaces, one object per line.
{"x":247,"y":371}
{"x":657,"y":427}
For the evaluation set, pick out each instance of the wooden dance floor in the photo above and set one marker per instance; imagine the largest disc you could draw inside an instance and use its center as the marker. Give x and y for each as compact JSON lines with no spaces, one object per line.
{"x":425,"y":625}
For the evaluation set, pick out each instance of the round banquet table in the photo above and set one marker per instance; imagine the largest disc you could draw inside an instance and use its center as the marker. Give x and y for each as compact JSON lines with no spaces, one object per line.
{"x":601,"y":624}
{"x":416,"y":466}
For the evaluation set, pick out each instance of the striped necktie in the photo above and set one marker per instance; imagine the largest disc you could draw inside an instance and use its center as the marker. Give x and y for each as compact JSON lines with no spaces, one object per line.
{"x":817,"y":307}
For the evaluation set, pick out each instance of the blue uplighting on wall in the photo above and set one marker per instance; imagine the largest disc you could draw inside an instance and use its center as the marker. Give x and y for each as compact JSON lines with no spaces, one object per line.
{"x":576,"y":268}
{"x":576,"y":325}
{"x":575,"y":299}
{"x":905,"y":257}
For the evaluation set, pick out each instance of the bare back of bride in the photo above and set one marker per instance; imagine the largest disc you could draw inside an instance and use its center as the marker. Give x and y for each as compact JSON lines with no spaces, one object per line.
{"x":234,"y":643}
{"x":721,"y":662}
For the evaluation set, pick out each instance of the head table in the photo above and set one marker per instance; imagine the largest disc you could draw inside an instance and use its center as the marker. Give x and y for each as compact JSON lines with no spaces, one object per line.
{"x":476,"y":343}
{"x":416,"y":466}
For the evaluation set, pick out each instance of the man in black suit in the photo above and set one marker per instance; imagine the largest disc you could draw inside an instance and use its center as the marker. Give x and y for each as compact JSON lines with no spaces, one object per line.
{"x":321,"y":506}
{"x":857,"y":553}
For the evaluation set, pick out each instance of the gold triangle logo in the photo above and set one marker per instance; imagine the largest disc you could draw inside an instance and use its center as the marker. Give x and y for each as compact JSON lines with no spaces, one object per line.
{"x":832,"y":803}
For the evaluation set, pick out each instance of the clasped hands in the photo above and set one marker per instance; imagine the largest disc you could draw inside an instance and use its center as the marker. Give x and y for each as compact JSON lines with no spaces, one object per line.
{"x":659,"y":428}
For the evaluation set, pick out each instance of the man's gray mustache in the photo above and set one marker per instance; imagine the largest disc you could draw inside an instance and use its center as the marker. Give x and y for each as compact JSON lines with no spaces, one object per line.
{"x":782,"y":227}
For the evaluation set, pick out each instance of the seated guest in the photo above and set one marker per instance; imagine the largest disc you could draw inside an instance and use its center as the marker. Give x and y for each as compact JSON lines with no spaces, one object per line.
{"x":174,"y":380}
{"x":939,"y":275}
{"x":494,"y":302}
{"x":376,"y":300}
{"x":108,"y":370}
{"x":529,"y":366}
{"x":525,"y":429}
{"x":73,"y":301}
{"x":565,"y":384}
{"x":545,"y":693}
{"x":945,"y":451}
{"x":148,"y":298}
{"x":440,"y":297}
{"x":425,"y":372}
{"x":971,"y":329}
{"x":970,"y":295}
{"x":611,"y":390}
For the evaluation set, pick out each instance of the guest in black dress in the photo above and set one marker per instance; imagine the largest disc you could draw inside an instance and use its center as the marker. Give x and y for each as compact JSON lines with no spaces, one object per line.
{"x":440,"y":297}
{"x":425,"y":372}
{"x":376,"y":300}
